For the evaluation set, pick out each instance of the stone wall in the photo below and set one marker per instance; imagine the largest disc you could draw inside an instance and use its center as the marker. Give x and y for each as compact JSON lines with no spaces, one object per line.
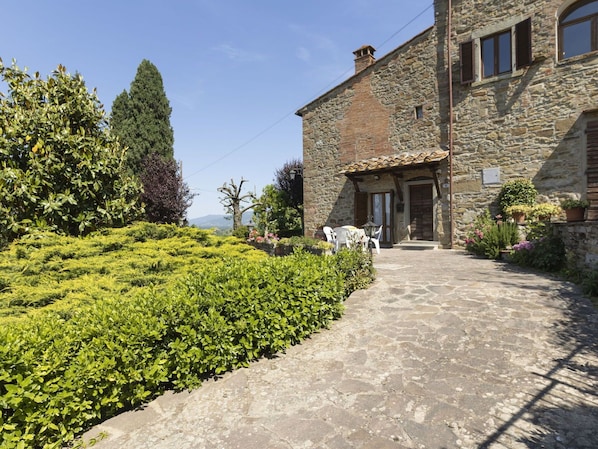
{"x":581,"y":241}
{"x":528,"y":124}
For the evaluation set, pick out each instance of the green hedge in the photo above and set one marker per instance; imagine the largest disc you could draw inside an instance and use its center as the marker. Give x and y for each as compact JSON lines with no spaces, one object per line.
{"x":60,"y":376}
{"x":47,"y":270}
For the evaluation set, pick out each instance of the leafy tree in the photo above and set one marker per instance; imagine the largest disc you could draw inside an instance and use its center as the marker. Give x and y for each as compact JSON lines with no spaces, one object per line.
{"x":165,"y":196}
{"x":141,"y":117}
{"x":289,"y":179}
{"x":273,"y":214}
{"x":233,"y":201}
{"x":280,"y":208}
{"x":60,"y":168}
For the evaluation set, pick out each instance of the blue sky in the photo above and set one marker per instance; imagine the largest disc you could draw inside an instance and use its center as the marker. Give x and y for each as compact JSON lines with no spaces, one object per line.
{"x":235,"y":71}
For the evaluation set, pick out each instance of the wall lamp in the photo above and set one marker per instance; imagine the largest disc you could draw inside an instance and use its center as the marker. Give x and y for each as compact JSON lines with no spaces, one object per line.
{"x":293,"y":173}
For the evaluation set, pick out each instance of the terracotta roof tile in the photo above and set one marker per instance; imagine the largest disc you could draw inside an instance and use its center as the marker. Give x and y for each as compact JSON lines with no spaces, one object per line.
{"x":394,"y":161}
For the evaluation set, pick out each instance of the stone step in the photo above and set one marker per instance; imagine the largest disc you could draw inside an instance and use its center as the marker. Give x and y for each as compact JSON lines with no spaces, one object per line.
{"x":417,"y":245}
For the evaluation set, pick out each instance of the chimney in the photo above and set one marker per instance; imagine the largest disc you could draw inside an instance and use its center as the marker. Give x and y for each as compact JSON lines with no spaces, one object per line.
{"x":364,"y":57}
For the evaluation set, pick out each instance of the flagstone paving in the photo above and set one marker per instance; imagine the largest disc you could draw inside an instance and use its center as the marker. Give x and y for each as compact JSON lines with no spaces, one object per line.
{"x":444,"y":351}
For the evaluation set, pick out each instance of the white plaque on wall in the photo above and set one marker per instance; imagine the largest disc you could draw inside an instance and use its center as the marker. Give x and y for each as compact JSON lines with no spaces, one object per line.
{"x":491,"y":176}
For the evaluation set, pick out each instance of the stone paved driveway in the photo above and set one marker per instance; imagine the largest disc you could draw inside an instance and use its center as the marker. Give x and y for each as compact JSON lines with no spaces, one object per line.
{"x":443,"y":351}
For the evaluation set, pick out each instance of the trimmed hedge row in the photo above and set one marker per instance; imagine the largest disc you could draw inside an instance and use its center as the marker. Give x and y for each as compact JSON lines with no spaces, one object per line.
{"x":60,"y":376}
{"x":46,"y":270}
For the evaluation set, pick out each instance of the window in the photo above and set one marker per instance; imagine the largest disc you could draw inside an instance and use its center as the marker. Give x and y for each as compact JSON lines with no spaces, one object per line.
{"x":494,"y":54}
{"x":578,"y":29}
{"x":419,"y":112}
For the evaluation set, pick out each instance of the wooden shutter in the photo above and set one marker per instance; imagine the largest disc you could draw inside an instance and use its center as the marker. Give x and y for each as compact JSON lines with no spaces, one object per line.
{"x":466,"y":60}
{"x":592,"y":168}
{"x":523,"y":43}
{"x":360,"y":216}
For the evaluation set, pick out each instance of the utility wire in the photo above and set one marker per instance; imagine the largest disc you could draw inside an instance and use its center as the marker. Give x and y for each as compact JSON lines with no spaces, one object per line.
{"x":332,"y":83}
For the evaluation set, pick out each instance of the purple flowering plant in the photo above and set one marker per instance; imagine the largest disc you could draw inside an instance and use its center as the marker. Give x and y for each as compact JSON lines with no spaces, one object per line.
{"x":523,"y":246}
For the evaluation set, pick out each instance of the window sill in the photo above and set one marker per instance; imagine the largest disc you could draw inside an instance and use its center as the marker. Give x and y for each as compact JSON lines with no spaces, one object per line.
{"x":501,"y":77}
{"x":577,"y":59}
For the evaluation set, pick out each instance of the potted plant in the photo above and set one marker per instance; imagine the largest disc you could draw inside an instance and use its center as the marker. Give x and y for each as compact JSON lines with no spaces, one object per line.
{"x":544,"y":211}
{"x":518,"y":212}
{"x":516,"y":191}
{"x":575,"y":209}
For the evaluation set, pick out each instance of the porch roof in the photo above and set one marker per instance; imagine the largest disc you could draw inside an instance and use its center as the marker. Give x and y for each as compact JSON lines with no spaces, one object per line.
{"x":395,"y":161}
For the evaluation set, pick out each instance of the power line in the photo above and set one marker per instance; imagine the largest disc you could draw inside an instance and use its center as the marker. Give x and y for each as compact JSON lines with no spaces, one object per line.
{"x":407,"y":24}
{"x":334,"y":82}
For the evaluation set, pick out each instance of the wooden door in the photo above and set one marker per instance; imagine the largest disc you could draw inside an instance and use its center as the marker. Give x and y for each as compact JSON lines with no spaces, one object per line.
{"x":421,"y":212}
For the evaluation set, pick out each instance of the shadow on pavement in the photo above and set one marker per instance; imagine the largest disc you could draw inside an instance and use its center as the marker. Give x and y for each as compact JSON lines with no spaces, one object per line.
{"x":571,"y":379}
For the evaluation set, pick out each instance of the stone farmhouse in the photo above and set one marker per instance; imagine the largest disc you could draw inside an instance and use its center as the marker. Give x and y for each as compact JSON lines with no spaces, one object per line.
{"x":423,"y":138}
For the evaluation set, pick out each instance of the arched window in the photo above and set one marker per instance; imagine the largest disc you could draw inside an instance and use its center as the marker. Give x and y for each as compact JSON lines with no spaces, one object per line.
{"x":578,"y":29}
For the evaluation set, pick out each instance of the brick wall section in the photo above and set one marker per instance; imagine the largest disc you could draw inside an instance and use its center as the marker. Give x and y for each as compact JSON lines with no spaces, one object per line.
{"x":365,"y":141}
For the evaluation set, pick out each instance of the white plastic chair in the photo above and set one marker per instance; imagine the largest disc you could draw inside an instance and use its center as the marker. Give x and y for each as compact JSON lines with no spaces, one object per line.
{"x":376,"y":239}
{"x":330,"y":235}
{"x":342,"y":237}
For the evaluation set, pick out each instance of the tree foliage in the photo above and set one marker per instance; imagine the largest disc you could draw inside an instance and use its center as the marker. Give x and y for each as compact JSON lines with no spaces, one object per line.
{"x":60,"y":168}
{"x":280,"y":207}
{"x":515,"y":192}
{"x":289,"y":180}
{"x":165,"y":196}
{"x":273,"y":214}
{"x":234,"y":199}
{"x":141,"y":117}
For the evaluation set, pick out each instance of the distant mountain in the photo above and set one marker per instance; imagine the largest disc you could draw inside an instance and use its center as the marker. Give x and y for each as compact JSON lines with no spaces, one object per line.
{"x":218,"y":221}
{"x":212,"y":221}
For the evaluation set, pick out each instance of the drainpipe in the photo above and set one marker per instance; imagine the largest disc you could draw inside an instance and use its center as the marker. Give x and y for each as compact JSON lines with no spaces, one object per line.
{"x":450,"y":130}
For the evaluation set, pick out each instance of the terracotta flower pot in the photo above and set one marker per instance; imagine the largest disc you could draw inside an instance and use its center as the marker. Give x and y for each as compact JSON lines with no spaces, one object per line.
{"x":575,"y":214}
{"x":519,"y":217}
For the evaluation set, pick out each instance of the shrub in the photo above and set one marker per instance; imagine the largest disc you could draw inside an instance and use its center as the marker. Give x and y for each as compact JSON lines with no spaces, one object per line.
{"x":289,"y":244}
{"x":487,"y":238}
{"x":517,"y":191}
{"x":357,"y":268}
{"x":60,"y":375}
{"x":242,"y":232}
{"x":546,"y":254}
{"x":46,"y":270}
{"x":544,"y":211}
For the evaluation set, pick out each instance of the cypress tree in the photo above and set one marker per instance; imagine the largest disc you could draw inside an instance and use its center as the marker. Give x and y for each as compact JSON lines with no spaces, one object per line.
{"x":141,"y":118}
